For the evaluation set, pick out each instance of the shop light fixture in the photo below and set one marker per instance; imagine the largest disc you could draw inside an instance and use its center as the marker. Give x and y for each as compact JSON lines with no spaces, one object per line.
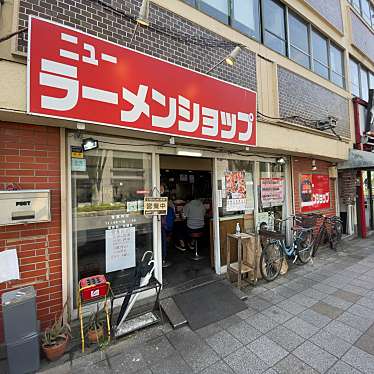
{"x":143,"y":16}
{"x":314,"y":166}
{"x":230,"y":59}
{"x":89,"y":144}
{"x":281,"y":160}
{"x":185,"y":152}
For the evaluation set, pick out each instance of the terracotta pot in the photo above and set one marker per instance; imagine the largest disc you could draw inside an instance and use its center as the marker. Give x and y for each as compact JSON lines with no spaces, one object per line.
{"x":94,"y":336}
{"x":54,"y":352}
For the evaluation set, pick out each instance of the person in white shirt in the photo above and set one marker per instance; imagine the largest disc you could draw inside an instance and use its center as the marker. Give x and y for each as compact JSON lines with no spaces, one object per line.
{"x":194,"y":212}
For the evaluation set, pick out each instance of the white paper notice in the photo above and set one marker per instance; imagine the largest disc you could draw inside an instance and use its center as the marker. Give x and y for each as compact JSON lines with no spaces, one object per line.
{"x":119,"y":249}
{"x":9,"y":265}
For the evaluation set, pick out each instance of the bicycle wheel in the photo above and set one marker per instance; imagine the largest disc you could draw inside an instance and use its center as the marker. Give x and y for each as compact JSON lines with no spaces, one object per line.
{"x":271,"y":261}
{"x":304,"y":246}
{"x":336,"y":235}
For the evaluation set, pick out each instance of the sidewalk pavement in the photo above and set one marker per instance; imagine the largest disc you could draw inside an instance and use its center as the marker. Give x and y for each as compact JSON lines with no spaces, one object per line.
{"x":319,"y":318}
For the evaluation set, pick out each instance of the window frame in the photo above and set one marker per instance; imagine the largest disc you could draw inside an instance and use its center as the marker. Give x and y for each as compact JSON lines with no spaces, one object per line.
{"x":289,"y":43}
{"x":264,"y":30}
{"x":258,"y":25}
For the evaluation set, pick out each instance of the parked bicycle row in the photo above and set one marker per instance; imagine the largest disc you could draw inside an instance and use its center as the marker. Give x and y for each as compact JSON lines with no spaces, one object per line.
{"x":309,"y":232}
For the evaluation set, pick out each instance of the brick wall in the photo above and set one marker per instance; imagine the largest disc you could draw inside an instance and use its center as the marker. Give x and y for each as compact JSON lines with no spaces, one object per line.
{"x":300,"y":96}
{"x":362,"y":36}
{"x":301,"y":165}
{"x":30,"y":159}
{"x":90,"y":17}
{"x":331,"y":10}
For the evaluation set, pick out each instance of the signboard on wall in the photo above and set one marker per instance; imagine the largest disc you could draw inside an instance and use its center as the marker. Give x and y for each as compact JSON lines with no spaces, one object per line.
{"x":73,"y":75}
{"x":272,"y":191}
{"x":314,"y":192}
{"x":119,"y":249}
{"x":155,"y":206}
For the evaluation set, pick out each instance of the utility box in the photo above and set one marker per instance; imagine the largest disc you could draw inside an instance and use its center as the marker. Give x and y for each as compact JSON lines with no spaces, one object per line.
{"x":21,"y":330}
{"x":24,"y":206}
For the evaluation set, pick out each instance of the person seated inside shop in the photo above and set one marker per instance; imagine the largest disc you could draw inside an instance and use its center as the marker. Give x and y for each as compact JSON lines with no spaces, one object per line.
{"x":194,"y":213}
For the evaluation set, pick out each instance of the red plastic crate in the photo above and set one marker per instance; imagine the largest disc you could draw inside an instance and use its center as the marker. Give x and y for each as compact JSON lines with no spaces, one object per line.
{"x":92,"y":288}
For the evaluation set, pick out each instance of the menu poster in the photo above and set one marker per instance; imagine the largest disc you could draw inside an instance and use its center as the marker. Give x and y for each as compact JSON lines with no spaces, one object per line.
{"x":119,"y":249}
{"x":314,"y":192}
{"x":235,"y":191}
{"x":272,"y":191}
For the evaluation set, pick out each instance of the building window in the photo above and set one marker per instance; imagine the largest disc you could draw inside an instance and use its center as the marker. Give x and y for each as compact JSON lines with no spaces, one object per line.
{"x":364,"y":84}
{"x":299,"y":40}
{"x":366,"y":9}
{"x":245,"y":17}
{"x":320,"y":55}
{"x":354,"y":78}
{"x":371,"y":80}
{"x":274,"y":26}
{"x":216,"y":8}
{"x":337,"y":66}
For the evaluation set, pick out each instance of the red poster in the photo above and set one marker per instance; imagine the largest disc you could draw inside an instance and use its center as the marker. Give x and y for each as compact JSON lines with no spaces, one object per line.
{"x":75,"y":76}
{"x":315,"y":192}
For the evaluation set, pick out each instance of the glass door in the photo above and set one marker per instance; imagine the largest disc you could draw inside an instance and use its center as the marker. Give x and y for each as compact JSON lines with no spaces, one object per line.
{"x":110,"y":231}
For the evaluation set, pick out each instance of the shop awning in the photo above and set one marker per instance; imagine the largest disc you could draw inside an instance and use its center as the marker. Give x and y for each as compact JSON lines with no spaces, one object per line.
{"x":358,"y":160}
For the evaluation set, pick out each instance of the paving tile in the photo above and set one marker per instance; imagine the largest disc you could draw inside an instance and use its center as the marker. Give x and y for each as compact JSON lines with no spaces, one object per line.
{"x":367,"y":302}
{"x":156,"y":350}
{"x":327,"y":310}
{"x":129,"y":361}
{"x":324,"y":288}
{"x":361,"y":311}
{"x":315,"y":357}
{"x":243,"y":361}
{"x":100,"y":367}
{"x":301,"y":327}
{"x":343,"y":331}
{"x":303,"y":300}
{"x":337,"y":302}
{"x":277,"y":314}
{"x":356,"y":290}
{"x":366,"y":343}
{"x":244,"y":332}
{"x":219,"y":367}
{"x":209,"y":330}
{"x":272,"y":297}
{"x":370,"y":330}
{"x":184,"y":339}
{"x":262,"y":323}
{"x":268,"y":350}
{"x":246,"y":313}
{"x":355,"y":321}
{"x":292,"y":365}
{"x":342,"y":368}
{"x":64,"y":368}
{"x":314,"y":318}
{"x":314,"y":294}
{"x":223,"y":343}
{"x":360,"y":360}
{"x":285,"y":338}
{"x":285,"y":291}
{"x":200,"y":358}
{"x":173,"y":365}
{"x":258,"y":304}
{"x":361,"y":284}
{"x":347,"y":296}
{"x":271,"y":371}
{"x":229,"y":321}
{"x":330,"y":343}
{"x":291,"y":307}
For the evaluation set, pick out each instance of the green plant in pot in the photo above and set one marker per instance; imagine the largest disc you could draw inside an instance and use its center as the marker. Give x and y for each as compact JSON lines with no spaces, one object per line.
{"x":55,"y":339}
{"x":95,"y":327}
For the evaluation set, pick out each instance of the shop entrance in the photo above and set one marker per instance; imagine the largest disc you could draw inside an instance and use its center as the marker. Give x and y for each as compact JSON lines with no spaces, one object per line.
{"x":187,"y":237}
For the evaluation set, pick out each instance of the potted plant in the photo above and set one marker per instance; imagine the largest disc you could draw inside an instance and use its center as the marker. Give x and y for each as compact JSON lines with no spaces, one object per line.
{"x":95,"y":327}
{"x":55,"y":339}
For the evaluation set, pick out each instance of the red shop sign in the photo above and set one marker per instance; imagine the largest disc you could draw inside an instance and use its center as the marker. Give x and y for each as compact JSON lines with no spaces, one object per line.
{"x":75,"y":76}
{"x":315,"y":192}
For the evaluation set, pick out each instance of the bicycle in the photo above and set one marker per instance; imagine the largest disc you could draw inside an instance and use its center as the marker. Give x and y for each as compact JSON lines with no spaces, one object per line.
{"x":331,"y":229}
{"x":277,"y":250}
